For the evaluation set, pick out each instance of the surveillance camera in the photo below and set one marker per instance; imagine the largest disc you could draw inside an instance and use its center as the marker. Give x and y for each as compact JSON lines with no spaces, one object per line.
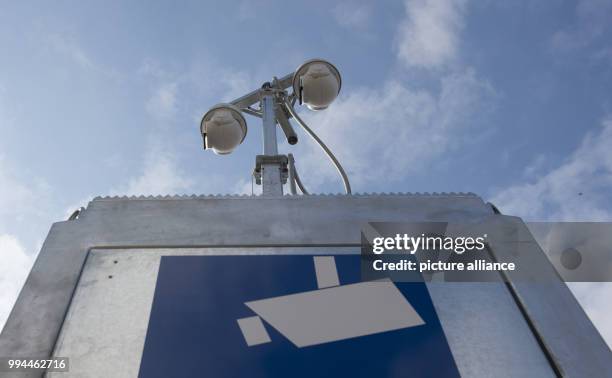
{"x":317,"y":84}
{"x":223,"y":128}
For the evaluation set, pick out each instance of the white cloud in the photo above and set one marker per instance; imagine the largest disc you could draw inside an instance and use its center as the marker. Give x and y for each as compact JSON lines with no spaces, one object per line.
{"x":249,"y":187}
{"x":14,"y":196}
{"x":592,"y":19}
{"x":248,"y":10}
{"x":25,"y":205}
{"x":160,"y":176}
{"x":233,"y":84}
{"x":535,"y":167}
{"x":162,"y":104}
{"x":352,"y":15}
{"x":384,"y":134}
{"x":429,"y":36}
{"x":152,"y":68}
{"x":577,"y":190}
{"x":221,"y":84}
{"x":25,"y":214}
{"x":14,"y":268}
{"x":68,"y":45}
{"x":595,"y":299}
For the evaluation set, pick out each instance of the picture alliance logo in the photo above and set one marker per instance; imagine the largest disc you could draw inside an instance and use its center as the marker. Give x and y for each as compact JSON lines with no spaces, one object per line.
{"x":412,"y":244}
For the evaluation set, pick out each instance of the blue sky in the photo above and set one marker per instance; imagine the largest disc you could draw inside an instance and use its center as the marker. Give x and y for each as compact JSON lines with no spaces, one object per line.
{"x":510,"y":100}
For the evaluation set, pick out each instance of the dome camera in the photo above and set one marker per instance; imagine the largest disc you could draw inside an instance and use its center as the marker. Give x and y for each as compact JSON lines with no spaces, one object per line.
{"x":223,"y":128}
{"x":317,"y":84}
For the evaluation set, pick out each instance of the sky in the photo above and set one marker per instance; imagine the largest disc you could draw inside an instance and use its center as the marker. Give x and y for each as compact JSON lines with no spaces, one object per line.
{"x":509,"y":100}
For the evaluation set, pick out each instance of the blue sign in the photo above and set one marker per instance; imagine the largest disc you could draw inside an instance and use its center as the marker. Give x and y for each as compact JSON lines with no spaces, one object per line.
{"x":285,"y":316}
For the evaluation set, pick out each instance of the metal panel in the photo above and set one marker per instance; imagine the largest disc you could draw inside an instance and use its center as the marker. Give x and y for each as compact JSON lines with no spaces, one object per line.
{"x":485,"y":330}
{"x":202,"y":222}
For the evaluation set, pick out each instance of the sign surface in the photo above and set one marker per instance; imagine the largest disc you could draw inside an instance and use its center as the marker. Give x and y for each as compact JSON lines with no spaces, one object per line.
{"x":283,"y":315}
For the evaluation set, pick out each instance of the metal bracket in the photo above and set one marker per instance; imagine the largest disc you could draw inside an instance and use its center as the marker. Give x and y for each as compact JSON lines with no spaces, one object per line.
{"x":280,"y":160}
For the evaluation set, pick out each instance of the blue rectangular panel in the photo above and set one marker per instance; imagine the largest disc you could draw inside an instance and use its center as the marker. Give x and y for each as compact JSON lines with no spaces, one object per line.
{"x":193,"y":328}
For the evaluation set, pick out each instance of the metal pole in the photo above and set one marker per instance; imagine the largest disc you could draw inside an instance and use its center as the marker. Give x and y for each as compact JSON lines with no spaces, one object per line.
{"x":271,"y":172}
{"x":291,"y":164}
{"x":270,"y":147}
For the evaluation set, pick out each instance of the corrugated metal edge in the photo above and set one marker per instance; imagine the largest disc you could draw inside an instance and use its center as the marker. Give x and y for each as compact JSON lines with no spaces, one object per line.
{"x":248,"y":196}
